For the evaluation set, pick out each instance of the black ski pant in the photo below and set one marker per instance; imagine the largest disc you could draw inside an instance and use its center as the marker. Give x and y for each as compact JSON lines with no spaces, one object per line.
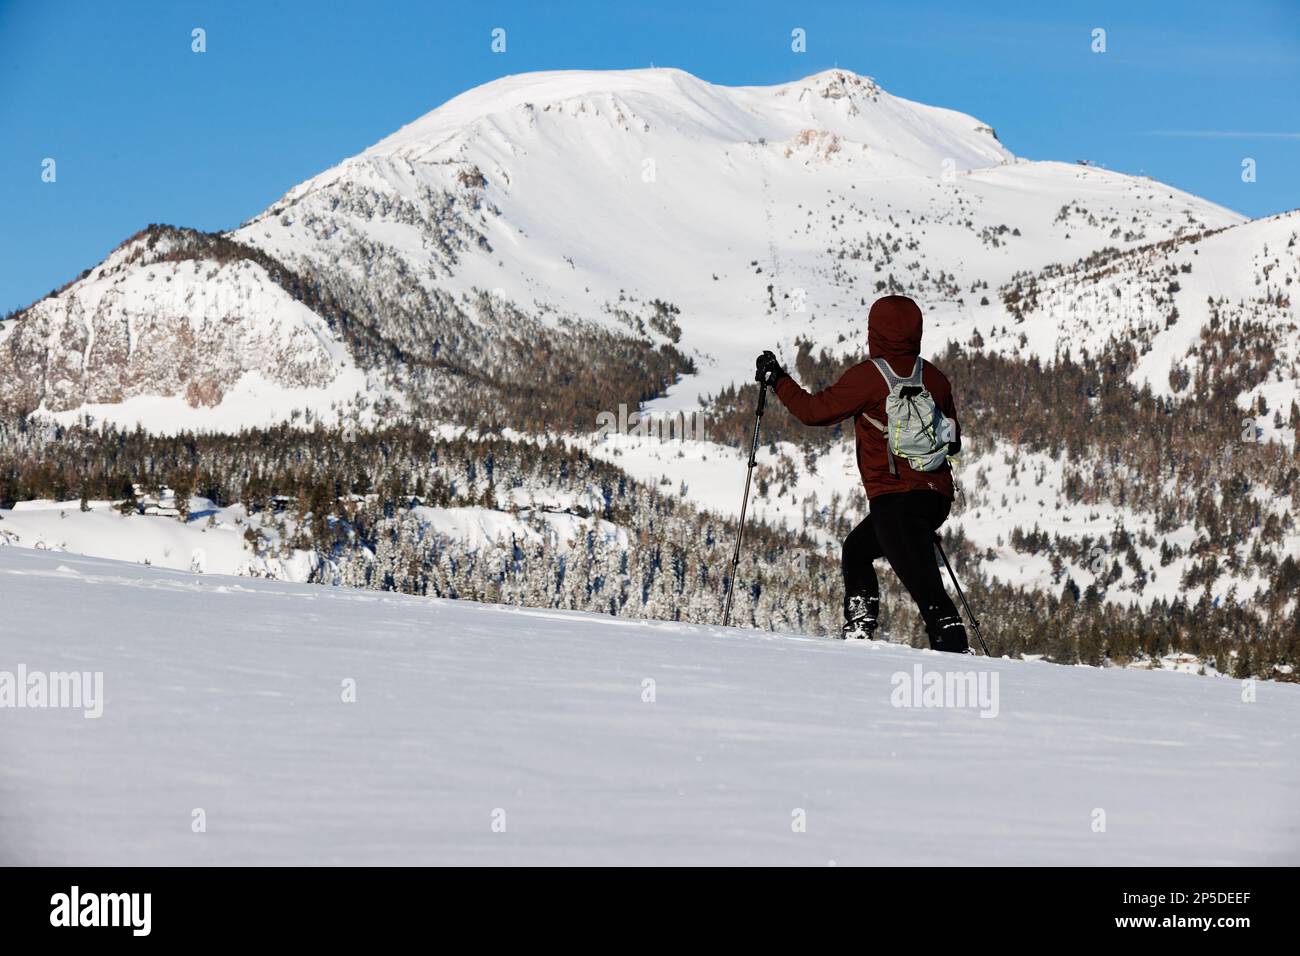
{"x":901,"y":528}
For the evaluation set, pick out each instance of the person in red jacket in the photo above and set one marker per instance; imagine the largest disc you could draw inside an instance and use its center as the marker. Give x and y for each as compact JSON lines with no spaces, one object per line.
{"x":906,"y":505}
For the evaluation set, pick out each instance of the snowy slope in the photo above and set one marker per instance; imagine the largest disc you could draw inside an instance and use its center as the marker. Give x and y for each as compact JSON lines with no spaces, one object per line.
{"x":574,"y":192}
{"x":225,"y":695}
{"x":1157,"y":297}
{"x":213,"y":539}
{"x":210,"y":541}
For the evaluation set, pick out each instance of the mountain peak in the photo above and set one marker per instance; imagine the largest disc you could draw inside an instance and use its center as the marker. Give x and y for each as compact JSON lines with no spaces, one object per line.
{"x":838,"y":102}
{"x":837,"y":82}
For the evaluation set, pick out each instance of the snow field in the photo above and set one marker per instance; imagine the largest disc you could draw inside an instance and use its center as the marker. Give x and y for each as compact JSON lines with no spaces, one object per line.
{"x":491,"y":735}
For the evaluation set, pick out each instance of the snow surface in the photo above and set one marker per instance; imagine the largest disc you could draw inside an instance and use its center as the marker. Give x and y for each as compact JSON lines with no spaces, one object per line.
{"x":211,"y":541}
{"x":226,"y":695}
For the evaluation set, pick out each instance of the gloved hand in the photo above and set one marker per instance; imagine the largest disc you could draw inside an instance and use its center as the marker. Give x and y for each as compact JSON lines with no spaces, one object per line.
{"x":767,"y":370}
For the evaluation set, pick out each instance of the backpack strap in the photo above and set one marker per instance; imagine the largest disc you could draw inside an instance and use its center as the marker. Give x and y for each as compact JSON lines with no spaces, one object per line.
{"x":917,"y":371}
{"x":893,"y":380}
{"x":884,"y":430}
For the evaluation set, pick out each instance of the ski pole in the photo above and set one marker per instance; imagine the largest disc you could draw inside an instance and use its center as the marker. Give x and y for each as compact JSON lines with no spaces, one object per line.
{"x":744,"y":502}
{"x":973,"y":623}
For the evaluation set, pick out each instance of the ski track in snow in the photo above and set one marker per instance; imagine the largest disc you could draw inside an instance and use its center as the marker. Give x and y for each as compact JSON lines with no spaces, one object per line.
{"x":225,"y":694}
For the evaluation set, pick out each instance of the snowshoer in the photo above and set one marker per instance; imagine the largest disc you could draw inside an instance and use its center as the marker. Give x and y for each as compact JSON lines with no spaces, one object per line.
{"x":905,"y":427}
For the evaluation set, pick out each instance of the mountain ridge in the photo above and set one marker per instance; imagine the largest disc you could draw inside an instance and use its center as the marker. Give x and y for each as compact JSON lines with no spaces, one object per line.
{"x":761,"y":208}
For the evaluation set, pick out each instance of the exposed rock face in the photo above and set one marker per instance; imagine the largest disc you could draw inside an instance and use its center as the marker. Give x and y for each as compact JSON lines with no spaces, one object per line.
{"x":170,"y":313}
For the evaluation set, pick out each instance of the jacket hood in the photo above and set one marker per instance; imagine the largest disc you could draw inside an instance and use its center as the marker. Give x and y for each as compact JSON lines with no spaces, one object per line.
{"x":894,"y":328}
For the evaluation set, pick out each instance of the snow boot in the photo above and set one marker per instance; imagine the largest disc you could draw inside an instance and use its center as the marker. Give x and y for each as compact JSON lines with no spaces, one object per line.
{"x":861,"y":616}
{"x":945,"y":631}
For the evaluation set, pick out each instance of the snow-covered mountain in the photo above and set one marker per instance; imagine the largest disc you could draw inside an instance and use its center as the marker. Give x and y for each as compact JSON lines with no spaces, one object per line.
{"x":761,"y":213}
{"x":541,"y":206}
{"x":242,"y":722}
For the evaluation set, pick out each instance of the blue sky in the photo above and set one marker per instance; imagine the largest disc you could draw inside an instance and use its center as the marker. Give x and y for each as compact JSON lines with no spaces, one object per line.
{"x":145,"y":130}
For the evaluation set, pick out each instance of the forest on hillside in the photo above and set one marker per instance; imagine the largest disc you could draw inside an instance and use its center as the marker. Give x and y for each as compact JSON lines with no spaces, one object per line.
{"x":357,"y":499}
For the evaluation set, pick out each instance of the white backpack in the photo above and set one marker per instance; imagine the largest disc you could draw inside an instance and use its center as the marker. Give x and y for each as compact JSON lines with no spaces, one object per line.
{"x":915,"y":430}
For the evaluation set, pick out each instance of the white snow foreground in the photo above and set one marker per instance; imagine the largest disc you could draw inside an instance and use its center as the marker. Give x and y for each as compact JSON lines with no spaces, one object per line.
{"x":491,"y":735}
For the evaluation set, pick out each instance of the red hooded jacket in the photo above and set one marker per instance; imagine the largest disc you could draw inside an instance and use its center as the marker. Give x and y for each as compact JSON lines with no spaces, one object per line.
{"x":894,"y":334}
